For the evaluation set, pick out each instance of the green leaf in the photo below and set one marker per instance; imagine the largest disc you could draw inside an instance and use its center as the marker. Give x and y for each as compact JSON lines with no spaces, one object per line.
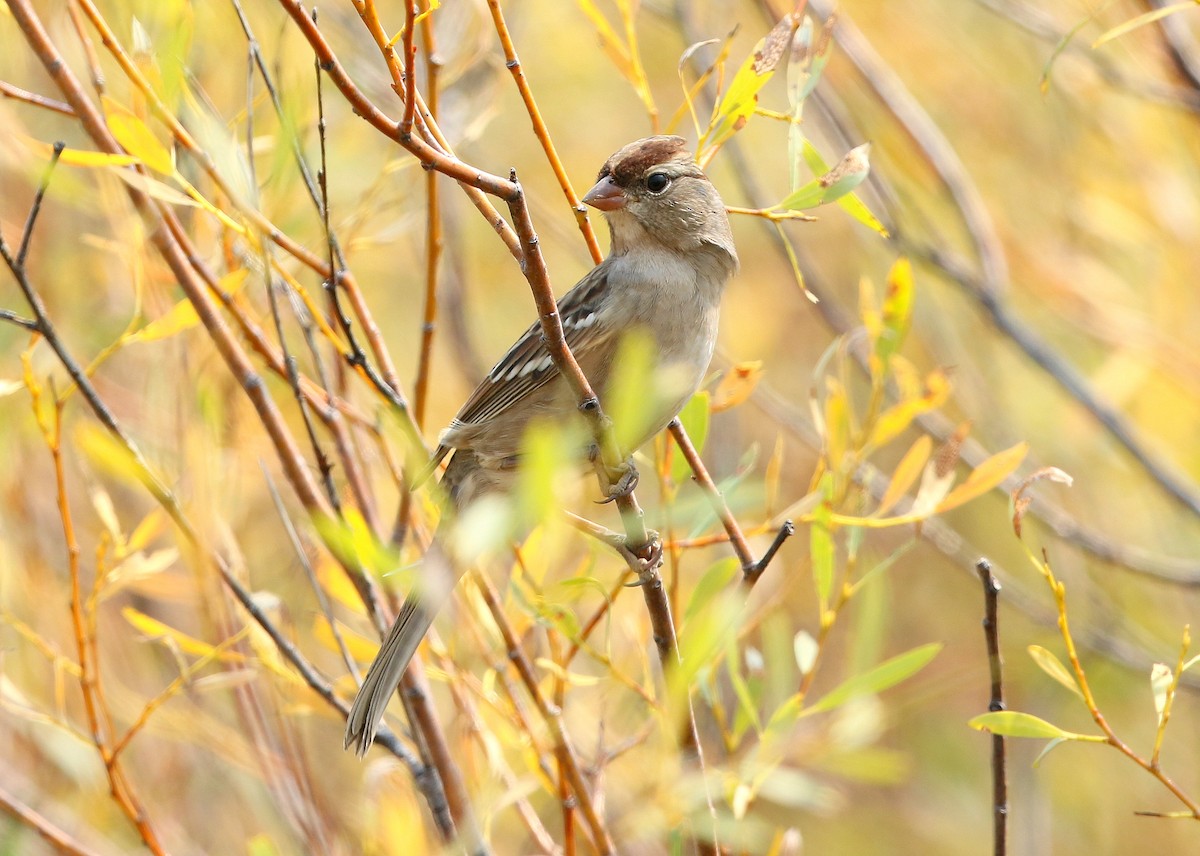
{"x":694,"y":418}
{"x":1047,"y":749}
{"x":821,"y":545}
{"x":1053,"y":667}
{"x":714,"y":581}
{"x":1012,"y":723}
{"x":747,"y":703}
{"x":886,"y":674}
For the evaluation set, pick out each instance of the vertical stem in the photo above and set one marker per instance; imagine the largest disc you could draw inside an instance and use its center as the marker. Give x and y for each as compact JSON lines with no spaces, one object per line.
{"x":991,"y":631}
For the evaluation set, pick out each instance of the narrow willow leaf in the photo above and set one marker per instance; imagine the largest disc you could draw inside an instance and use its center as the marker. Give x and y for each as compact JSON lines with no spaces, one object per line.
{"x":886,"y":674}
{"x":1161,"y":677}
{"x":714,"y":581}
{"x":1012,"y":723}
{"x":906,"y":473}
{"x":136,"y":137}
{"x":821,"y":545}
{"x":1142,"y":20}
{"x":897,"y":310}
{"x":694,"y":417}
{"x":986,"y":476}
{"x":1053,"y":667}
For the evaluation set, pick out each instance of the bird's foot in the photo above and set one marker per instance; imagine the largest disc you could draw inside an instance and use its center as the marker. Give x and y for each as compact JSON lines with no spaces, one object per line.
{"x":622,"y":479}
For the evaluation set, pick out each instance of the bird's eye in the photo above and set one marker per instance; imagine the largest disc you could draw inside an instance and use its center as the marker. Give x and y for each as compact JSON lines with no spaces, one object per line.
{"x":657,"y":182}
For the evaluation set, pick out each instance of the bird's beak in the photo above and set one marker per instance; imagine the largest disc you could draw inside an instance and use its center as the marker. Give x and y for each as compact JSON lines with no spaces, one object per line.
{"x":605,"y":195}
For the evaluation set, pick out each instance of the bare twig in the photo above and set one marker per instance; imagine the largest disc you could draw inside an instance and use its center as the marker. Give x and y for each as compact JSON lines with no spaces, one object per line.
{"x":43,"y":826}
{"x":991,"y":631}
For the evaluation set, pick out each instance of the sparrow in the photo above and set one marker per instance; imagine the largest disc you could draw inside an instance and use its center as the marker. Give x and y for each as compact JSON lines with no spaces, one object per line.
{"x":672,"y":254}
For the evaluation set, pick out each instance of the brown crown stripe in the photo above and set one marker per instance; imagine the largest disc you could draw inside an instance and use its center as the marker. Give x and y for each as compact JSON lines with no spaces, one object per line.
{"x":631,"y":162}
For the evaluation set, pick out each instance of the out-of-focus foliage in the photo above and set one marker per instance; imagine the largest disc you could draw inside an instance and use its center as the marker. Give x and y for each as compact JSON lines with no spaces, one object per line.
{"x":1025,"y":236}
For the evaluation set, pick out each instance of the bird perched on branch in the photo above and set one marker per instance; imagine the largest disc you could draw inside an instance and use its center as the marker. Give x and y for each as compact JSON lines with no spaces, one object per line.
{"x":672,"y":253}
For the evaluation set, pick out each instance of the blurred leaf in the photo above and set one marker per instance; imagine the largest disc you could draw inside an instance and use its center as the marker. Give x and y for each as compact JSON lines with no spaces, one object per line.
{"x":566,"y":676}
{"x":154,"y":188}
{"x":261,"y":845}
{"x":362,"y":649}
{"x":874,"y":765}
{"x":986,"y":476}
{"x":136,"y":138}
{"x":747,"y":709}
{"x":717,"y":579}
{"x":632,"y":387}
{"x":771,"y":475}
{"x":1161,"y":678}
{"x":1059,"y":47}
{"x":694,"y":417}
{"x":906,"y":473}
{"x":896,"y":419}
{"x":886,"y":674}
{"x":837,"y":424}
{"x":182,"y":316}
{"x":880,"y":567}
{"x":1142,"y":20}
{"x":155,"y":630}
{"x":1053,"y":667}
{"x":80,"y":157}
{"x":106,"y":453}
{"x":821,"y":552}
{"x":737,"y":385}
{"x":934,"y":489}
{"x":806,"y":650}
{"x":1011,"y":723}
{"x":137,"y":567}
{"x":897,"y":310}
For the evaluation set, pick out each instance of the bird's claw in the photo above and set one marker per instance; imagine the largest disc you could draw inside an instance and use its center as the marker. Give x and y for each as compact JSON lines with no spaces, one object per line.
{"x":646,"y":560}
{"x":622,"y":479}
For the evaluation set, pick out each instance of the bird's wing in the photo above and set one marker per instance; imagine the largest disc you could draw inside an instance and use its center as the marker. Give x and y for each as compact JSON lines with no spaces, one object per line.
{"x":527,"y":366}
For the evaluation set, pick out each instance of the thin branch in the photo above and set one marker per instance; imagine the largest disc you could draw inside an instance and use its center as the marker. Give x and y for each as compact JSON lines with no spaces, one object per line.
{"x":551,"y":715}
{"x":513,"y":64}
{"x":18,"y":94}
{"x":991,"y":631}
{"x":55,"y":837}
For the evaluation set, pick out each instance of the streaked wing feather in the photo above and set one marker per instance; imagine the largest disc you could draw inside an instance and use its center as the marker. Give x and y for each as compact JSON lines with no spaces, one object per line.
{"x":527,"y":367}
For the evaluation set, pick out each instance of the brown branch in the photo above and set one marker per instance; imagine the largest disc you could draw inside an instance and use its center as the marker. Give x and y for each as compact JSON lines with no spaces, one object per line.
{"x":552,"y":716}
{"x":55,"y":837}
{"x":18,"y":94}
{"x":513,"y":64}
{"x":991,"y":630}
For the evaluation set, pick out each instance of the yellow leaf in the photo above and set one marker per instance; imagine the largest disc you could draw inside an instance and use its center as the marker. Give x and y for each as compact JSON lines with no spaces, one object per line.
{"x":182,"y":316}
{"x":906,"y":473}
{"x":837,"y":425}
{"x":154,"y":188}
{"x":8,"y":387}
{"x":80,"y":157}
{"x":360,"y":647}
{"x":893,"y":421}
{"x":986,"y":476}
{"x":1142,"y":20}
{"x":136,"y":137}
{"x":737,"y":385}
{"x":155,"y":629}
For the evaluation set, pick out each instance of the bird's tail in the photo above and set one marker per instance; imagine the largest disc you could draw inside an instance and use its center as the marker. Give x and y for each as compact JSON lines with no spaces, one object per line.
{"x":415,"y":618}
